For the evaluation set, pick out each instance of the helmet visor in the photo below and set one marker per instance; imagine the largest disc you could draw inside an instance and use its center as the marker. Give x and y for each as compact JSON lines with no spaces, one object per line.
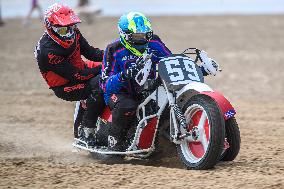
{"x":64,"y":31}
{"x":140,"y":38}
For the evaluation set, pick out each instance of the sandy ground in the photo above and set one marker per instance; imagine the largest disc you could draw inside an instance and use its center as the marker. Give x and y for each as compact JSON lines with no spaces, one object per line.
{"x":36,"y":127}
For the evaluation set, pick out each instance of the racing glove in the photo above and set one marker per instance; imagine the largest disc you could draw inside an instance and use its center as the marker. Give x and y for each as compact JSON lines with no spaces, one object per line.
{"x":129,"y":73}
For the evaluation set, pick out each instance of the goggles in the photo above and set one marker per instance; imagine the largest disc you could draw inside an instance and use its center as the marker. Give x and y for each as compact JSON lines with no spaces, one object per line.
{"x":64,"y":31}
{"x":138,"y":38}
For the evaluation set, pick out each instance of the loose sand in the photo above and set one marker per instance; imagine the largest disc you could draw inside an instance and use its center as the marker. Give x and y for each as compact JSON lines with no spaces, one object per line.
{"x":36,"y":127}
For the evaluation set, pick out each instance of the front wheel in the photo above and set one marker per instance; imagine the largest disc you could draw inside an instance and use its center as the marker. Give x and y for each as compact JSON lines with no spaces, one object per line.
{"x":205,"y":120}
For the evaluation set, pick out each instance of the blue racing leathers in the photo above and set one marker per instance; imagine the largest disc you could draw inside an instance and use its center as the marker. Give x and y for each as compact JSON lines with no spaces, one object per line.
{"x":117,"y":59}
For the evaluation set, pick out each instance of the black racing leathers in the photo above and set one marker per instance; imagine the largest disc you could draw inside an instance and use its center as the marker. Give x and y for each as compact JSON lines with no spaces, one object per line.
{"x":64,"y":68}
{"x":65,"y":72}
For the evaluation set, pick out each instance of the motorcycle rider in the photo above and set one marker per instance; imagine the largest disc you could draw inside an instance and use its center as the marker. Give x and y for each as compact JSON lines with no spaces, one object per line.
{"x":120,"y":68}
{"x":58,"y":54}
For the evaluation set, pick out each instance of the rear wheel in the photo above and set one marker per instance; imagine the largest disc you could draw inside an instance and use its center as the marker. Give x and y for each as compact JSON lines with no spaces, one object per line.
{"x":233,"y":140}
{"x":205,"y":121}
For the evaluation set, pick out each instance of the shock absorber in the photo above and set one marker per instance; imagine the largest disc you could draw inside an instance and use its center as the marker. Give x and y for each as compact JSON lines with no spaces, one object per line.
{"x":179,"y":115}
{"x":182,"y":122}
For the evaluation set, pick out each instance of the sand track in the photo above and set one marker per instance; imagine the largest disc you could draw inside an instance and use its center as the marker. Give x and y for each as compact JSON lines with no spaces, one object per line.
{"x":36,"y":127}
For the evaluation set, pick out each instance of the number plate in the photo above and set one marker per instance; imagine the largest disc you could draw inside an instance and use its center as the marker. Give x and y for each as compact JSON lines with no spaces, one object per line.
{"x":179,"y":69}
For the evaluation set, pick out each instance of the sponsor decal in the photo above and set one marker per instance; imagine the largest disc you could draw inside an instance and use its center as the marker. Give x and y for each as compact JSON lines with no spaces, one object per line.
{"x":111,"y":141}
{"x":114,"y":98}
{"x":80,"y":77}
{"x":54,"y":59}
{"x":129,"y":57}
{"x":230,"y":114}
{"x":74,"y":87}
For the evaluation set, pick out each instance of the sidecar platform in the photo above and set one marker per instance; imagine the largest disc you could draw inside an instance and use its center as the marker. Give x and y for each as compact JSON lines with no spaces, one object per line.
{"x":104,"y":150}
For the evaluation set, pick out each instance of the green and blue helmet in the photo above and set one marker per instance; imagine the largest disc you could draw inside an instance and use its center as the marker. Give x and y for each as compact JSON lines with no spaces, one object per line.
{"x":135,"y":32}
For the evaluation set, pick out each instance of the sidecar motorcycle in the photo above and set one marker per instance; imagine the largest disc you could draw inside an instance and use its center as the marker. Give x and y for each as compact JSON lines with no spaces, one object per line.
{"x":200,"y":121}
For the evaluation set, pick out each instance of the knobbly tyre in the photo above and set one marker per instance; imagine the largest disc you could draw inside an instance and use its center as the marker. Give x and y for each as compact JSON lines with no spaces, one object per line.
{"x":201,"y":121}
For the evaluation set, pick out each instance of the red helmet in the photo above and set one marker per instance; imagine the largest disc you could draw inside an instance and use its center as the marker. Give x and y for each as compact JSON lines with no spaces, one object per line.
{"x":60,"y":22}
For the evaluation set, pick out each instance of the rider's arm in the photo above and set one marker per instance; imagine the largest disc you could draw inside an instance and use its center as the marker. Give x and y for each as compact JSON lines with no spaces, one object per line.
{"x":88,"y":51}
{"x":160,"y":51}
{"x":163,"y":51}
{"x":112,"y":82}
{"x":59,"y":64}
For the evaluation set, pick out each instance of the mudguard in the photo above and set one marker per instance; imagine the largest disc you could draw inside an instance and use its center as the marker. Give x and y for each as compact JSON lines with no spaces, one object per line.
{"x":224,"y":105}
{"x":195,"y":88}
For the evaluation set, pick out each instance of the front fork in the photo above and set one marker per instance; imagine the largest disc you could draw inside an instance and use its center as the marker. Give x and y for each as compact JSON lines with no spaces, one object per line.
{"x":178,"y":125}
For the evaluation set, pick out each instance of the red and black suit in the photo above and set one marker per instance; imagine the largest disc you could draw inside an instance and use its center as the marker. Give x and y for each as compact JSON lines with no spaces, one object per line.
{"x":65,"y":72}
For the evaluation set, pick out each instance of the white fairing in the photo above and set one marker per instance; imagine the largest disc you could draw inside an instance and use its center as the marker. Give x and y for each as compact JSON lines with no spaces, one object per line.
{"x":161,"y":92}
{"x":197,"y":86}
{"x":162,"y":100}
{"x":209,"y":65}
{"x":145,"y":71}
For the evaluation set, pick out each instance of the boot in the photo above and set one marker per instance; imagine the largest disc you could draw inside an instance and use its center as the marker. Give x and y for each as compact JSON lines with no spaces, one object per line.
{"x":89,"y":136}
{"x":89,"y":128}
{"x":90,"y":118}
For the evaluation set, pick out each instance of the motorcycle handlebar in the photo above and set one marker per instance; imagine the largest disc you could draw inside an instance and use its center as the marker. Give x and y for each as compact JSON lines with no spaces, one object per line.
{"x":194,"y":51}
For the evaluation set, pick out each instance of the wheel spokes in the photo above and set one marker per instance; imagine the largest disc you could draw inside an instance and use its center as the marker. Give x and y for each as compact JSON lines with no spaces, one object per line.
{"x":198,"y":124}
{"x":203,"y":136}
{"x":202,"y":127}
{"x":202,"y":121}
{"x":204,"y":140}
